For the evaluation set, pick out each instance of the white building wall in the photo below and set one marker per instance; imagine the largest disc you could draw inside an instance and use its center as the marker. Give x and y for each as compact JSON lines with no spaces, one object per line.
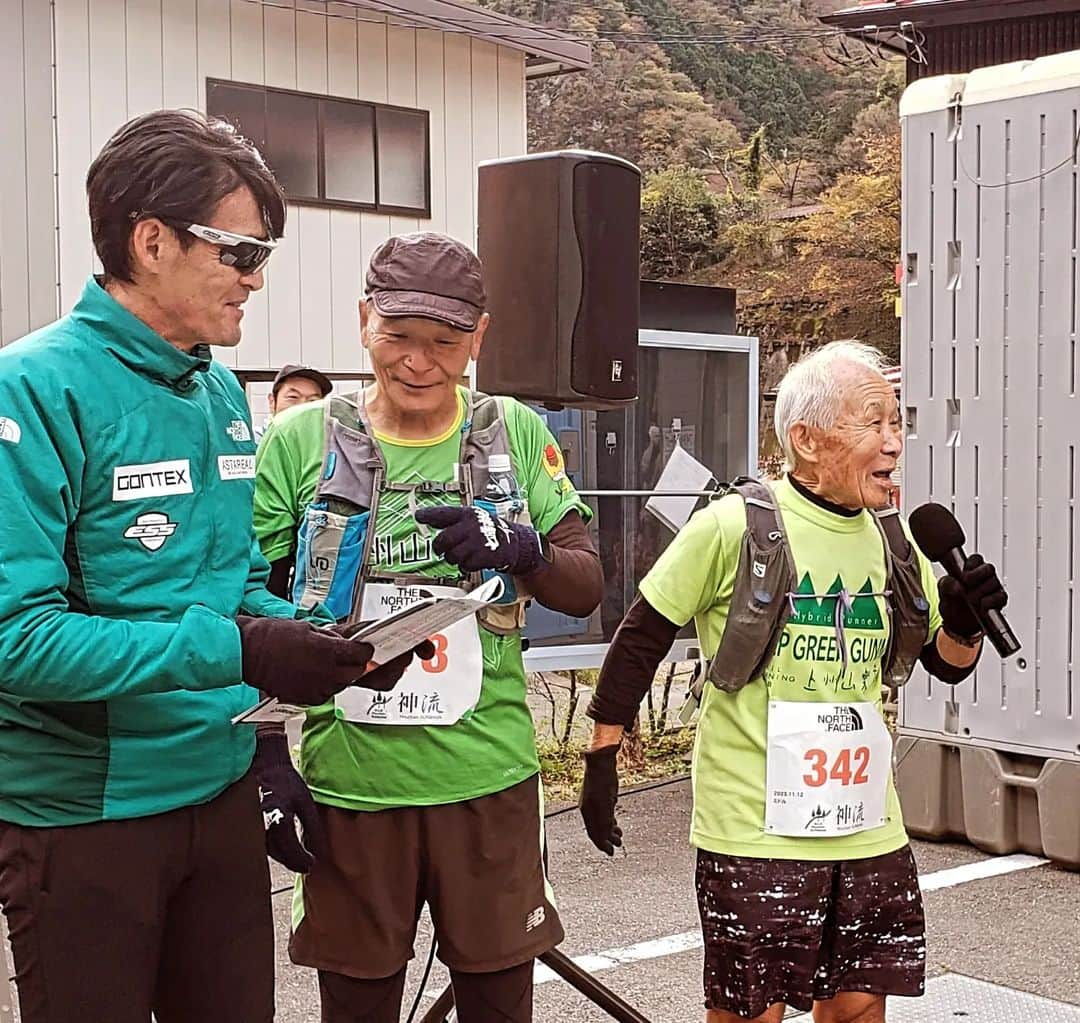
{"x":28,"y":271}
{"x":118,"y":58}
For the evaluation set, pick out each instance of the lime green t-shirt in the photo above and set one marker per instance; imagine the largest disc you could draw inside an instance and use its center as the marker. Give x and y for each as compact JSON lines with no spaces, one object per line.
{"x":375,"y":767}
{"x":694,"y":579}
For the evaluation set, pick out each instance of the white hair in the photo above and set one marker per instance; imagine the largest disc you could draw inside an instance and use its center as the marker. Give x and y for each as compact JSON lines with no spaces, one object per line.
{"x":812,"y":392}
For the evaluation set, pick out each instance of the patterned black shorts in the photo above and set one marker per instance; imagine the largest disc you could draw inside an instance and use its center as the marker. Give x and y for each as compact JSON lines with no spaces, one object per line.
{"x":796,"y":931}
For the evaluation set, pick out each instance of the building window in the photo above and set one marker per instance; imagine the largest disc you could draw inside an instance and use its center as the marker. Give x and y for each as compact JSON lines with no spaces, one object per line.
{"x":327,"y":151}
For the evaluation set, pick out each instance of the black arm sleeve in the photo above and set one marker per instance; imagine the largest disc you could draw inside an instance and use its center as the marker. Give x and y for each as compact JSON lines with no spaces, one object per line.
{"x":940,"y":668}
{"x":280,"y":570}
{"x":640,"y":643}
{"x":573,"y":582}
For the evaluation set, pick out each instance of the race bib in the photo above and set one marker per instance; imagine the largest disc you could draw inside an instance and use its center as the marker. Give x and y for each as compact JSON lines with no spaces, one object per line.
{"x":434,"y":692}
{"x":827,"y":769}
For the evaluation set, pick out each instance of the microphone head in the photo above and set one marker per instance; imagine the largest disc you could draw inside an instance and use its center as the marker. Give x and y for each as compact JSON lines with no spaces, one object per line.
{"x":935,"y":530}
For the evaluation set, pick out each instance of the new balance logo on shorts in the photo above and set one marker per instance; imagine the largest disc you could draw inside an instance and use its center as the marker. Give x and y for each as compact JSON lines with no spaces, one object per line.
{"x":535,"y":919}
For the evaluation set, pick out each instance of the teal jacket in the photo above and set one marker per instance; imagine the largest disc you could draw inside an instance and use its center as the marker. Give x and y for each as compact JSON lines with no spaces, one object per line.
{"x":126,"y":552}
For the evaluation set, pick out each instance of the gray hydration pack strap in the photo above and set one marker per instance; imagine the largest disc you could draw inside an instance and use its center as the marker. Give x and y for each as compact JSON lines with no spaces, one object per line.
{"x":763,"y":600}
{"x":759,"y":600}
{"x":908,"y":608}
{"x":353,"y":480}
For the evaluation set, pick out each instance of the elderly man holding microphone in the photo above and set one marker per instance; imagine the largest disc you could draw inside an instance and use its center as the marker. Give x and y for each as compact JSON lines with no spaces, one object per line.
{"x":807,"y":594}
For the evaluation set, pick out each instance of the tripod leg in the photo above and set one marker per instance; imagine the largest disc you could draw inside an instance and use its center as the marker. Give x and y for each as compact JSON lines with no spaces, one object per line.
{"x":591,"y":988}
{"x":439,"y":1012}
{"x":574,"y":975}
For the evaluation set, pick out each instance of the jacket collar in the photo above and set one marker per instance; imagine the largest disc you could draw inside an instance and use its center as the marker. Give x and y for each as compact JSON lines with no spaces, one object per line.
{"x":131,"y":341}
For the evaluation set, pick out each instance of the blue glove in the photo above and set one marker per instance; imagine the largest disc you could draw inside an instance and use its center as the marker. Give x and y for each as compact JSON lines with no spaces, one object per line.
{"x":474,"y":539}
{"x":285,"y":799}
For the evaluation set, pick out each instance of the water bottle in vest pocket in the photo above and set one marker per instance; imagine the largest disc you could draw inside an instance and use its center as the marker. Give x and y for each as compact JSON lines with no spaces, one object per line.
{"x":329,"y":552}
{"x":501,"y":497}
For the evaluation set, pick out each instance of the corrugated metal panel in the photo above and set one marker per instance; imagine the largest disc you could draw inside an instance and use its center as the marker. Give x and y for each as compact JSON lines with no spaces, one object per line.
{"x":990,"y":221}
{"x":955,"y":49}
{"x":119,"y":59}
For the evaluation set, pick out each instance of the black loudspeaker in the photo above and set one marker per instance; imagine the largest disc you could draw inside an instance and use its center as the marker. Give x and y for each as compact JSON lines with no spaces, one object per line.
{"x":559,"y":237}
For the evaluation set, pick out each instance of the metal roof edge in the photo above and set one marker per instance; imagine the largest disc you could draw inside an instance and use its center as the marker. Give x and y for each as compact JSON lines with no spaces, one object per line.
{"x":558,"y":51}
{"x":926,"y":13}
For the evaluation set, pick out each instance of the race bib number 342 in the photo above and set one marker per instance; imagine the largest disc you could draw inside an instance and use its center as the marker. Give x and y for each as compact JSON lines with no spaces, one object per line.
{"x":827,"y":769}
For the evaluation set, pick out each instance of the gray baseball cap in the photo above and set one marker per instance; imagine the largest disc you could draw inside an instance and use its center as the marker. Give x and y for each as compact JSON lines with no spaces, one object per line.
{"x":321,"y":380}
{"x":429,"y":275}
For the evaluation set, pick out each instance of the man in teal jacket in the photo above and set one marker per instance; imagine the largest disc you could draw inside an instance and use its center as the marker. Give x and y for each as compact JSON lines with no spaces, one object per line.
{"x":133,"y":602}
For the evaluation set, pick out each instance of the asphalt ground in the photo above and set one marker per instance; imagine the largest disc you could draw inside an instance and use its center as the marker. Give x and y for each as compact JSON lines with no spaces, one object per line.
{"x":632,"y":921}
{"x":1020,"y":929}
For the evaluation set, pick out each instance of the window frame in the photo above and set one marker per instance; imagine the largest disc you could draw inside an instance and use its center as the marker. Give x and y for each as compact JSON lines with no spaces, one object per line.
{"x":420,"y":213}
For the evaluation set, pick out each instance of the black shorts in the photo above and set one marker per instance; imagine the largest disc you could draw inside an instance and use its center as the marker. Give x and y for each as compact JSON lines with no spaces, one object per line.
{"x":797,"y":931}
{"x":478,"y":864}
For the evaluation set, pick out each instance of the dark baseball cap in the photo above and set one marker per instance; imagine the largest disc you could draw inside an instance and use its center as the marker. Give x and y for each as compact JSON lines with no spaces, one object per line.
{"x":429,"y":275}
{"x":302,"y":371}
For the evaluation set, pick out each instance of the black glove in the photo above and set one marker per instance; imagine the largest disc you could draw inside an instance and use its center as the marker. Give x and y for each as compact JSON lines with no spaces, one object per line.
{"x":285,"y":799}
{"x":474,"y":539}
{"x":299,"y":663}
{"x":599,"y":792}
{"x":387,"y":675}
{"x":964,"y":600}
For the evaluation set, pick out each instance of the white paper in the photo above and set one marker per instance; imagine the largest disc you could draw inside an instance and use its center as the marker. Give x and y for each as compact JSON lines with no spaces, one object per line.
{"x":268,"y":710}
{"x":399,"y":633}
{"x":682,"y":472}
{"x":393,"y":636}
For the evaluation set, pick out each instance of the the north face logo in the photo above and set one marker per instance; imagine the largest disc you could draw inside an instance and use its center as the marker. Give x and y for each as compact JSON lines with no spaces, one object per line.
{"x":151,"y":529}
{"x":238,"y":430}
{"x":843,"y":719}
{"x":10,"y":430}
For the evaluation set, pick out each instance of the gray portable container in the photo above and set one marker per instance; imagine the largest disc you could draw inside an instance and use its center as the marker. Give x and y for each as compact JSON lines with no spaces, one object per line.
{"x":990,"y":366}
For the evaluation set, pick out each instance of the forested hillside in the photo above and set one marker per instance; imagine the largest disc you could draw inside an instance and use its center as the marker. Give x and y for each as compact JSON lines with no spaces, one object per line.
{"x":769,"y":146}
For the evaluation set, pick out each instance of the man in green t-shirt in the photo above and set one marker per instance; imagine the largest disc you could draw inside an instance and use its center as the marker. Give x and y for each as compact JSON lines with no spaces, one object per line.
{"x":806,"y":885}
{"x":431,"y":793}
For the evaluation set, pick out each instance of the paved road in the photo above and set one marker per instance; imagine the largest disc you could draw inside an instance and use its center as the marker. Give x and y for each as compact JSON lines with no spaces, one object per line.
{"x":1020,"y":929}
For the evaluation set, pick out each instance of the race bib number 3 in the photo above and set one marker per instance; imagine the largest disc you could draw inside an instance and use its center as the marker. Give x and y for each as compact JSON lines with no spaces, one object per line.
{"x":437,"y":691}
{"x":827,"y":769}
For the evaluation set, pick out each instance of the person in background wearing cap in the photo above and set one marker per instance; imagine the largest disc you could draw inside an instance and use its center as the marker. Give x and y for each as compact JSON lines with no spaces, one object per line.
{"x":416,"y":485}
{"x":294,"y":385}
{"x":134,"y":605}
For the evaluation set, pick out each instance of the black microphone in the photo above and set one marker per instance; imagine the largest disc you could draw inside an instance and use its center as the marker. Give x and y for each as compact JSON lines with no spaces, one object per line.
{"x":941,"y":539}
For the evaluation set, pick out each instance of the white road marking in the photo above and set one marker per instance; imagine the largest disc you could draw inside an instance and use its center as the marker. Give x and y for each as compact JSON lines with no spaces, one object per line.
{"x":687,"y":941}
{"x":994,"y":867}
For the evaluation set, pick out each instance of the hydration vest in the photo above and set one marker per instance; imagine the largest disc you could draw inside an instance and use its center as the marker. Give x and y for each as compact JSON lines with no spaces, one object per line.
{"x":333,"y":558}
{"x":763,"y":597}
